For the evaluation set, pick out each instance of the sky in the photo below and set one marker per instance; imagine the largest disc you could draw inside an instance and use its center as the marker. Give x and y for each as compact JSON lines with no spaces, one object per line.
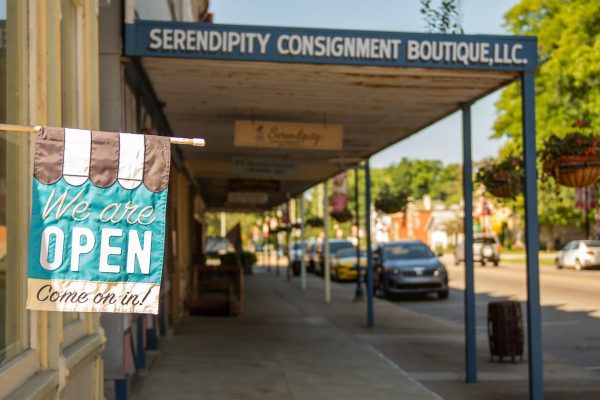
{"x":479,"y":17}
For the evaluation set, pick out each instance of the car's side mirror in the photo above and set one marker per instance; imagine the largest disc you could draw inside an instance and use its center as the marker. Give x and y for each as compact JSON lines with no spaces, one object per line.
{"x":439,"y":254}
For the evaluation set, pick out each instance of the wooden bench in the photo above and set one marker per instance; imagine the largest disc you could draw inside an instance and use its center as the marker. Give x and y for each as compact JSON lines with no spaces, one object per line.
{"x":217,"y":290}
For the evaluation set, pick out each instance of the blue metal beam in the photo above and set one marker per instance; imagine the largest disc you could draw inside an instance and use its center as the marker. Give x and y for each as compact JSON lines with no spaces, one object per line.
{"x":370,"y":317}
{"x":534,"y":324}
{"x":470,"y":332}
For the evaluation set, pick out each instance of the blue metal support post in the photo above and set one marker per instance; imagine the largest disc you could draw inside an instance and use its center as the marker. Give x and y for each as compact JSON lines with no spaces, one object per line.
{"x":534,"y":324}
{"x":141,"y":349}
{"x":470,"y":332}
{"x":358,"y":293}
{"x":370,"y":318}
{"x":302,"y":244}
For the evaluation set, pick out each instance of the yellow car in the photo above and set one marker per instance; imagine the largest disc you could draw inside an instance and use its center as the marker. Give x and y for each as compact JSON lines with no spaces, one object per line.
{"x":343,"y":264}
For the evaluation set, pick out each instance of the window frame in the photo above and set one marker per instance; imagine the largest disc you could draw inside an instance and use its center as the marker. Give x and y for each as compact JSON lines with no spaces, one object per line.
{"x":15,"y":371}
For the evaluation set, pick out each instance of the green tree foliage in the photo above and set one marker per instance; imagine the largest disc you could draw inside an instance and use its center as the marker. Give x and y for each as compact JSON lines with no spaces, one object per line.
{"x":568,"y":80}
{"x":414,"y":178}
{"x":420,"y":177}
{"x":445,"y":19}
{"x":567,"y":85}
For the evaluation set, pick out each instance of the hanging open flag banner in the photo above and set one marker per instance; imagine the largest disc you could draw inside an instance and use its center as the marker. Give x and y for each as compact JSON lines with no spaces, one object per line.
{"x":98,"y":221}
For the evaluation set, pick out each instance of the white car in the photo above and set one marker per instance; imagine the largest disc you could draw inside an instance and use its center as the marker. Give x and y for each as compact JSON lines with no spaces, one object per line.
{"x":579,"y":254}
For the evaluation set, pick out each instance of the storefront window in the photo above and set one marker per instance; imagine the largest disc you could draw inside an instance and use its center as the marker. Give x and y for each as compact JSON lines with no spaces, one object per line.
{"x":71,"y":79}
{"x":14,"y":184}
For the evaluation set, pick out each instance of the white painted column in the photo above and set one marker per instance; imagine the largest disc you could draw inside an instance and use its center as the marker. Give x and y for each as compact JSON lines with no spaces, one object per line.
{"x":223,"y":225}
{"x":326,"y":272}
{"x":302,"y":242}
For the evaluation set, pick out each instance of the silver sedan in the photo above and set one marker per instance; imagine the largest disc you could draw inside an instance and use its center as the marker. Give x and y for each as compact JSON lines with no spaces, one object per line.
{"x":579,"y":254}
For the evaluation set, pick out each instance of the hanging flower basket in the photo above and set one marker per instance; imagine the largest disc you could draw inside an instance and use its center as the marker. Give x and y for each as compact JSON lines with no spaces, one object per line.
{"x":573,"y":160}
{"x":574,"y":171}
{"x":315,"y":222}
{"x":391,"y":201}
{"x":503,"y":179}
{"x":503,"y":189}
{"x":342,"y":216}
{"x":284,"y":228}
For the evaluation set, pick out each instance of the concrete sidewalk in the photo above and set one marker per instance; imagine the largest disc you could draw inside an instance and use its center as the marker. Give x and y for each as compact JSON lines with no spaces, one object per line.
{"x":289,"y":344}
{"x":276,"y":350}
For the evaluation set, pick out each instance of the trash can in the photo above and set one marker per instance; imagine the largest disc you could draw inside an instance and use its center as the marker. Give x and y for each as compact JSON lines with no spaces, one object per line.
{"x":505,"y":330}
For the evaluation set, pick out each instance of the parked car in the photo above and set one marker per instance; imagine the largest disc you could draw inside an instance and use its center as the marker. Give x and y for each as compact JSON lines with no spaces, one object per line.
{"x":334,"y":246}
{"x":409,"y":266}
{"x":343,"y":264}
{"x":486,"y":247}
{"x":579,"y":254}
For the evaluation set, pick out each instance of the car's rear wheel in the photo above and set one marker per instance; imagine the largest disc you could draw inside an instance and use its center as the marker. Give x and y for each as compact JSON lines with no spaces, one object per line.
{"x":558,"y":264}
{"x":496,"y":262}
{"x":443,"y":294}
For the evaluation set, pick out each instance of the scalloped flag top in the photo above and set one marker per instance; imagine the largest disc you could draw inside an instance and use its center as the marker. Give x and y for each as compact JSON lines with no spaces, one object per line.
{"x":97,"y":230}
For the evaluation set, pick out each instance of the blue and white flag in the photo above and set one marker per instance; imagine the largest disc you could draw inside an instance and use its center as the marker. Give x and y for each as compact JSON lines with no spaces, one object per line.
{"x":97,"y":229}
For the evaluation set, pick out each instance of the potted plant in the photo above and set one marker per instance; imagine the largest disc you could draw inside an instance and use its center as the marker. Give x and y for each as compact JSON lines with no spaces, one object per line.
{"x":503,"y":179}
{"x":391,"y":201}
{"x":572,"y":160}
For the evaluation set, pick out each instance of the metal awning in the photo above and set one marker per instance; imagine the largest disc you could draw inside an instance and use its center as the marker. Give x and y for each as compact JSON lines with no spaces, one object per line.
{"x":377,"y":106}
{"x":378,"y":99}
{"x":380,"y":86}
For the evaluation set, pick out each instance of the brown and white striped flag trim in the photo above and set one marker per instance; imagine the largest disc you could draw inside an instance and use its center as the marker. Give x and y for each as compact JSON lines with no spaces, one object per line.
{"x":102,"y":157}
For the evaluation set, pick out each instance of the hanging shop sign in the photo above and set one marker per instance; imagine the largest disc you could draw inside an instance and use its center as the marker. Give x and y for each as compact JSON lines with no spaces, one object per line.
{"x":327,"y":46}
{"x":246,"y":198}
{"x":97,"y":221}
{"x":339,"y":193}
{"x":254,"y":185}
{"x":288,"y":135}
{"x":262,"y":167}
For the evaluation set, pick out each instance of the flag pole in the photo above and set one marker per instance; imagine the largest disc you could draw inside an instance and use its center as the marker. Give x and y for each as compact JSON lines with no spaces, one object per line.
{"x":196,"y":142}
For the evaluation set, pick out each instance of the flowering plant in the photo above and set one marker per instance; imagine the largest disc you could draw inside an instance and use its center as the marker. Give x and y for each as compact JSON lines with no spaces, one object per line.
{"x":573,"y":160}
{"x":315,"y":222}
{"x":390,"y":201}
{"x":342,"y":216}
{"x":501,"y":178}
{"x":580,"y":143}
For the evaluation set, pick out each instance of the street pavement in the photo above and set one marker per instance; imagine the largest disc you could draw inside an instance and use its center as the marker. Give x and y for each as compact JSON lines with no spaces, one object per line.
{"x":570,"y":306}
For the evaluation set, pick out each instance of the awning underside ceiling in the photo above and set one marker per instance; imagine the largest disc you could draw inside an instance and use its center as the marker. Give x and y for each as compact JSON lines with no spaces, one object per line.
{"x":377,"y":106}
